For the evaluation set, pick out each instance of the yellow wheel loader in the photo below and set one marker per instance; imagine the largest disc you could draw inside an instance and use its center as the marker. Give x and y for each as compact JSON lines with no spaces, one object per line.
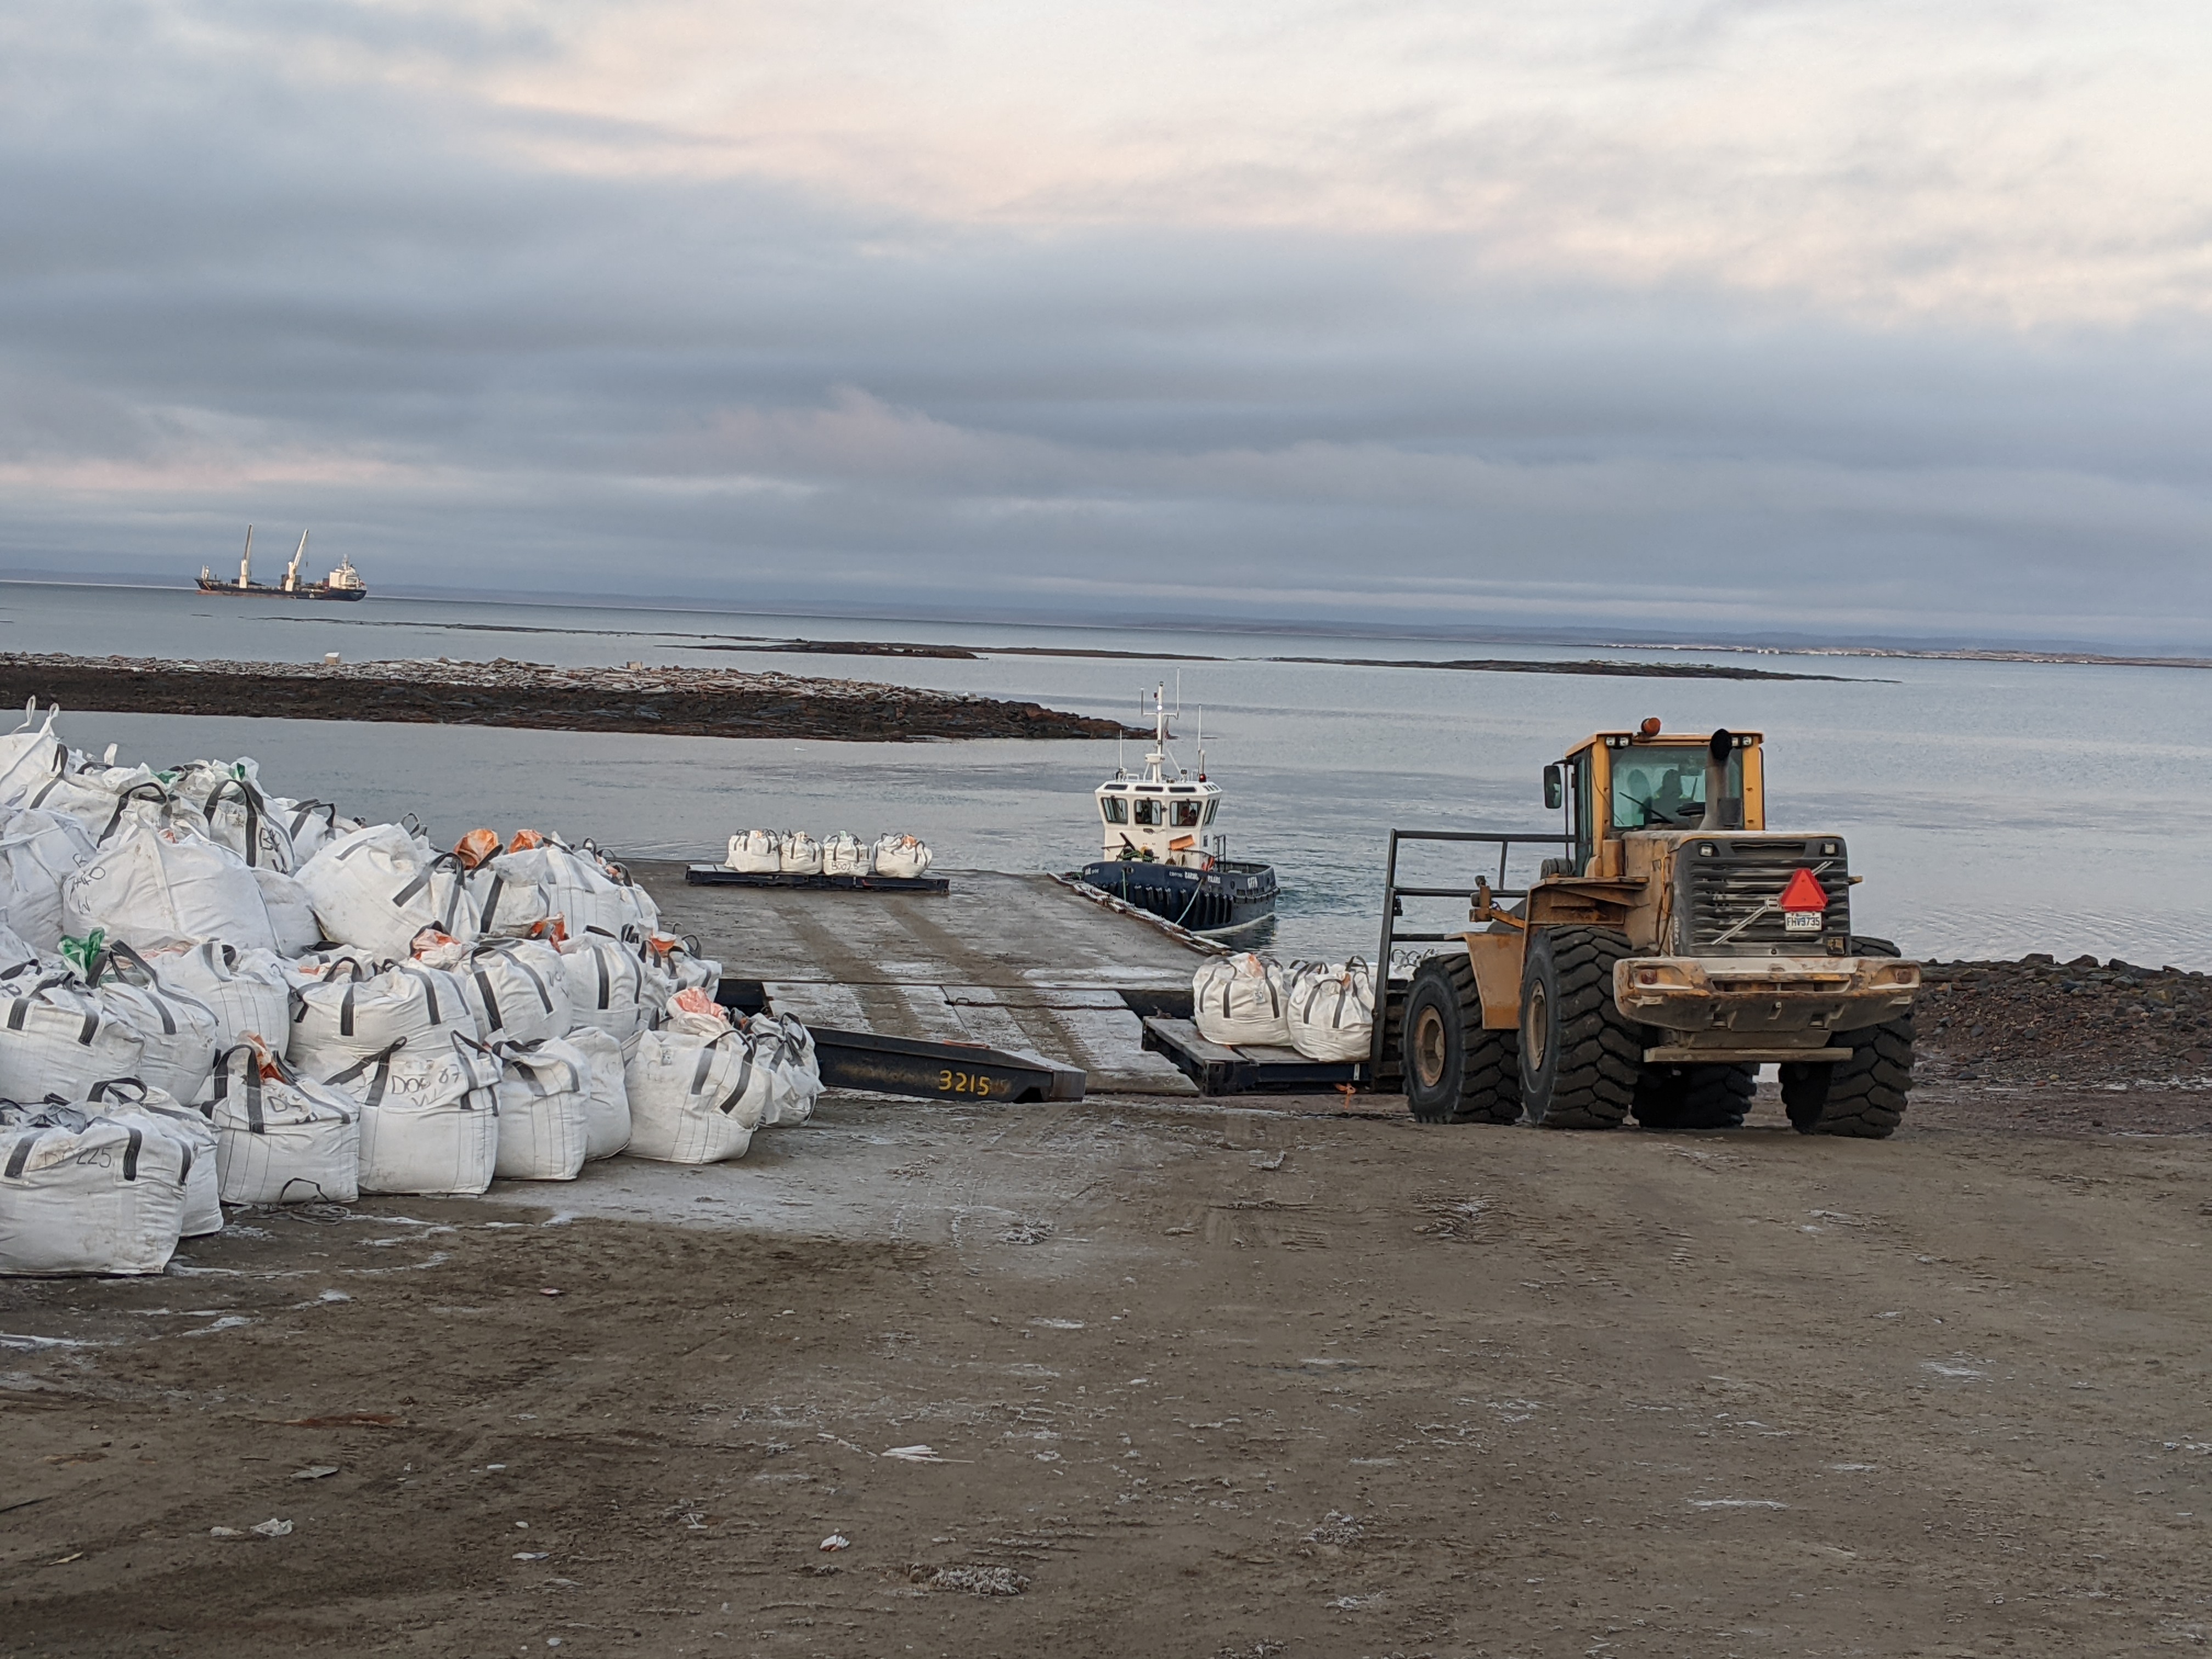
{"x":1671,"y":947}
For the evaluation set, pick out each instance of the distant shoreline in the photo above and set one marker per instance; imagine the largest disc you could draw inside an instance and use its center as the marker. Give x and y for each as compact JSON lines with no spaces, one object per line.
{"x":680,"y":701}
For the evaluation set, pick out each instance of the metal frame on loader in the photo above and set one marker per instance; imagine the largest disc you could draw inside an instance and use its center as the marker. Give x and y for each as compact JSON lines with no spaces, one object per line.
{"x":1670,"y":950}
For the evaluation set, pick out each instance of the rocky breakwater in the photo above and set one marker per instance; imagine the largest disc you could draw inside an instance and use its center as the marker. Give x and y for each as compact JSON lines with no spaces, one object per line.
{"x":2083,"y":1022}
{"x":688,"y":701}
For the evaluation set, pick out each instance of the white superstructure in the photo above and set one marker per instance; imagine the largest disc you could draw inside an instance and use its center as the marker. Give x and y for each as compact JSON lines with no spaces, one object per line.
{"x":1163,"y":815}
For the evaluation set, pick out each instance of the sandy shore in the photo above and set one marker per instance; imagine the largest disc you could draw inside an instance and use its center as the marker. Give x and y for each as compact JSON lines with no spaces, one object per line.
{"x":691,"y":701}
{"x":1204,"y":1380}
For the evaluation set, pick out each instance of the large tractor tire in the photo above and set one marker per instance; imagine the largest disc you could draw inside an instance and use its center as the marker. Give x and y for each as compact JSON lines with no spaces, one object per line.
{"x":1456,"y":1071}
{"x":1695,"y":1097}
{"x":1863,"y":1096}
{"x":1581,"y":1057}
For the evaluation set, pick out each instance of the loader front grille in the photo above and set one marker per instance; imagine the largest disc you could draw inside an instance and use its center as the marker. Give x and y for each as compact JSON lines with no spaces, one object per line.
{"x":1730,"y":889}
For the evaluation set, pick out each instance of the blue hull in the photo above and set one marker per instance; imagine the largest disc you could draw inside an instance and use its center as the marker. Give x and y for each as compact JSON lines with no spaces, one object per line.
{"x":1230,"y":894}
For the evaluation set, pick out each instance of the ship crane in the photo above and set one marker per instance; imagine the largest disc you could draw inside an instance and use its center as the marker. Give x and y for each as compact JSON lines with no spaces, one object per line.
{"x":292,"y":570}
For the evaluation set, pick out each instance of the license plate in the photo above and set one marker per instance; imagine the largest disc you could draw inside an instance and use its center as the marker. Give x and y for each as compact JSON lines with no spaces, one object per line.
{"x":1802,"y":922}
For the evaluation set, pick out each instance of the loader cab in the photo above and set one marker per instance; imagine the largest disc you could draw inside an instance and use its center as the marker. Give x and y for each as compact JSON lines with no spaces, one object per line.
{"x":1619,"y":782}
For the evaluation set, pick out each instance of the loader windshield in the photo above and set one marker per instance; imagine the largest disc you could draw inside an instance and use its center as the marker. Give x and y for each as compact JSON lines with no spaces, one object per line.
{"x":1662,"y":788}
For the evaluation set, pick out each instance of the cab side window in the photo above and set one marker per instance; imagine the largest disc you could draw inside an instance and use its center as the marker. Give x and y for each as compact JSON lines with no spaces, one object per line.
{"x":1115,"y":809}
{"x":1188,"y":814}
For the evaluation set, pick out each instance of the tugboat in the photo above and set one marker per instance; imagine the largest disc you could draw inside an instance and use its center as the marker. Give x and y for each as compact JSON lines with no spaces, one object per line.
{"x":343,"y":583}
{"x":1163,"y":854}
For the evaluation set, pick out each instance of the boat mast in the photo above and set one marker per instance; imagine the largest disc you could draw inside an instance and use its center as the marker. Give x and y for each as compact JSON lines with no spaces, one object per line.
{"x":246,"y":563}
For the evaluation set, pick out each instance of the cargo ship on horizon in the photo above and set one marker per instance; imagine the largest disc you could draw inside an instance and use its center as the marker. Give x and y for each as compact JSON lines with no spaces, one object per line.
{"x":343,"y":583}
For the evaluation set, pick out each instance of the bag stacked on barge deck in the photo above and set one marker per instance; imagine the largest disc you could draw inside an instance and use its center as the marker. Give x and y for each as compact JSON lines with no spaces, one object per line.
{"x":677,"y":962}
{"x":801,"y":855}
{"x":281,"y":1137}
{"x":180,"y":1034}
{"x":372,"y":890}
{"x":756,"y":852}
{"x":518,"y":989}
{"x":129,"y":1098}
{"x":607,"y":1131}
{"x":786,"y":1048}
{"x":1330,"y":1010}
{"x":87,"y":1194}
{"x":39,"y":851}
{"x":342,"y":1012}
{"x":845,"y":854}
{"x":902,"y":855}
{"x":152,"y":885}
{"x":58,"y":1039}
{"x":607,"y":989}
{"x":508,"y":906}
{"x":696,"y":1095}
{"x":1241,"y":999}
{"x":429,"y":1116}
{"x":582,"y":888}
{"x":240,"y":817}
{"x":544,"y":1110}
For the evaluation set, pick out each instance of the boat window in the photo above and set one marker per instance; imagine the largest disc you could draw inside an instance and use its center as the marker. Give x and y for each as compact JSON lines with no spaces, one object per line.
{"x":1188,"y":814}
{"x":1117,"y":812}
{"x":1152,"y":813}
{"x":1210,"y":807}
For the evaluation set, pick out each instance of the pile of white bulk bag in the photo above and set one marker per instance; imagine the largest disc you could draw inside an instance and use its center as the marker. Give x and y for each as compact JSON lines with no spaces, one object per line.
{"x":756,"y":852}
{"x":150,"y":885}
{"x":583,"y":891}
{"x":56,"y":1039}
{"x":696,"y":1095}
{"x":902,"y":855}
{"x":371,"y":890}
{"x":429,"y":1116}
{"x":281,"y":1137}
{"x":517,"y":988}
{"x":544,"y":1110}
{"x":84,"y":1194}
{"x":845,"y":854}
{"x":607,"y":1131}
{"x":1330,"y":1010}
{"x":607,"y":987}
{"x":180,"y":1035}
{"x":128,"y":1098}
{"x":39,"y":853}
{"x":343,"y":1011}
{"x":802,"y":854}
{"x":1241,"y":999}
{"x":30,"y":754}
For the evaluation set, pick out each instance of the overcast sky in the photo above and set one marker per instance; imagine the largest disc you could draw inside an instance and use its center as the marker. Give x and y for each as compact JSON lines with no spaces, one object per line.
{"x":1681,"y":316}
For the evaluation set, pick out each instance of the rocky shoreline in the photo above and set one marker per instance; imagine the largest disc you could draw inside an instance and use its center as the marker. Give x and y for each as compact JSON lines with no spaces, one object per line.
{"x":2037,"y":1021}
{"x":683,"y":702}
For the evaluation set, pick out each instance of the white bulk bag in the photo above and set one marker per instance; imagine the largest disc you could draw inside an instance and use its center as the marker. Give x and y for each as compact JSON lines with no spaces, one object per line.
{"x":606,"y":986}
{"x":247,"y":991}
{"x":682,"y":966}
{"x":128,"y":1098}
{"x":802,"y":854}
{"x":517,"y":988}
{"x":90,"y":801}
{"x":579,"y":888}
{"x":348,"y":1013}
{"x":845,"y":854}
{"x":902,"y":855}
{"x":696,"y":1096}
{"x":291,"y":917}
{"x":16,"y":956}
{"x":756,"y":852}
{"x":180,"y":1033}
{"x":1240,"y":999}
{"x":39,"y":852}
{"x":786,"y":1048}
{"x":240,"y":817}
{"x":451,"y":900}
{"x":281,"y":1137}
{"x":508,"y":906}
{"x":1330,"y":1010}
{"x":86,"y":1195}
{"x":371,"y":890}
{"x":607,"y":1130}
{"x":30,"y":754}
{"x":56,"y":1039}
{"x":153,"y":886}
{"x":429,"y":1116}
{"x":309,"y":825}
{"x":544,"y":1111}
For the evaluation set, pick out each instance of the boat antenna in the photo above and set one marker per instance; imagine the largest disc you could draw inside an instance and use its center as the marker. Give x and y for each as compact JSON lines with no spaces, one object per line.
{"x":1201,"y":743}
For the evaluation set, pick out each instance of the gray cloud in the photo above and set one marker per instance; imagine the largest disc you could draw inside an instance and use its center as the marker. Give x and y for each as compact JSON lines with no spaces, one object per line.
{"x":231,"y":289}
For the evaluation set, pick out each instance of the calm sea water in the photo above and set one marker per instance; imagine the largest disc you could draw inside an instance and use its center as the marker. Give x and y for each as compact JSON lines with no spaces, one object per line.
{"x":1993,"y":808}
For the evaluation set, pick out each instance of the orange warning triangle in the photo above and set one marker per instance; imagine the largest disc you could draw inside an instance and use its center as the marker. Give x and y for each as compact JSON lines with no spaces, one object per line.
{"x":1804,"y":892}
